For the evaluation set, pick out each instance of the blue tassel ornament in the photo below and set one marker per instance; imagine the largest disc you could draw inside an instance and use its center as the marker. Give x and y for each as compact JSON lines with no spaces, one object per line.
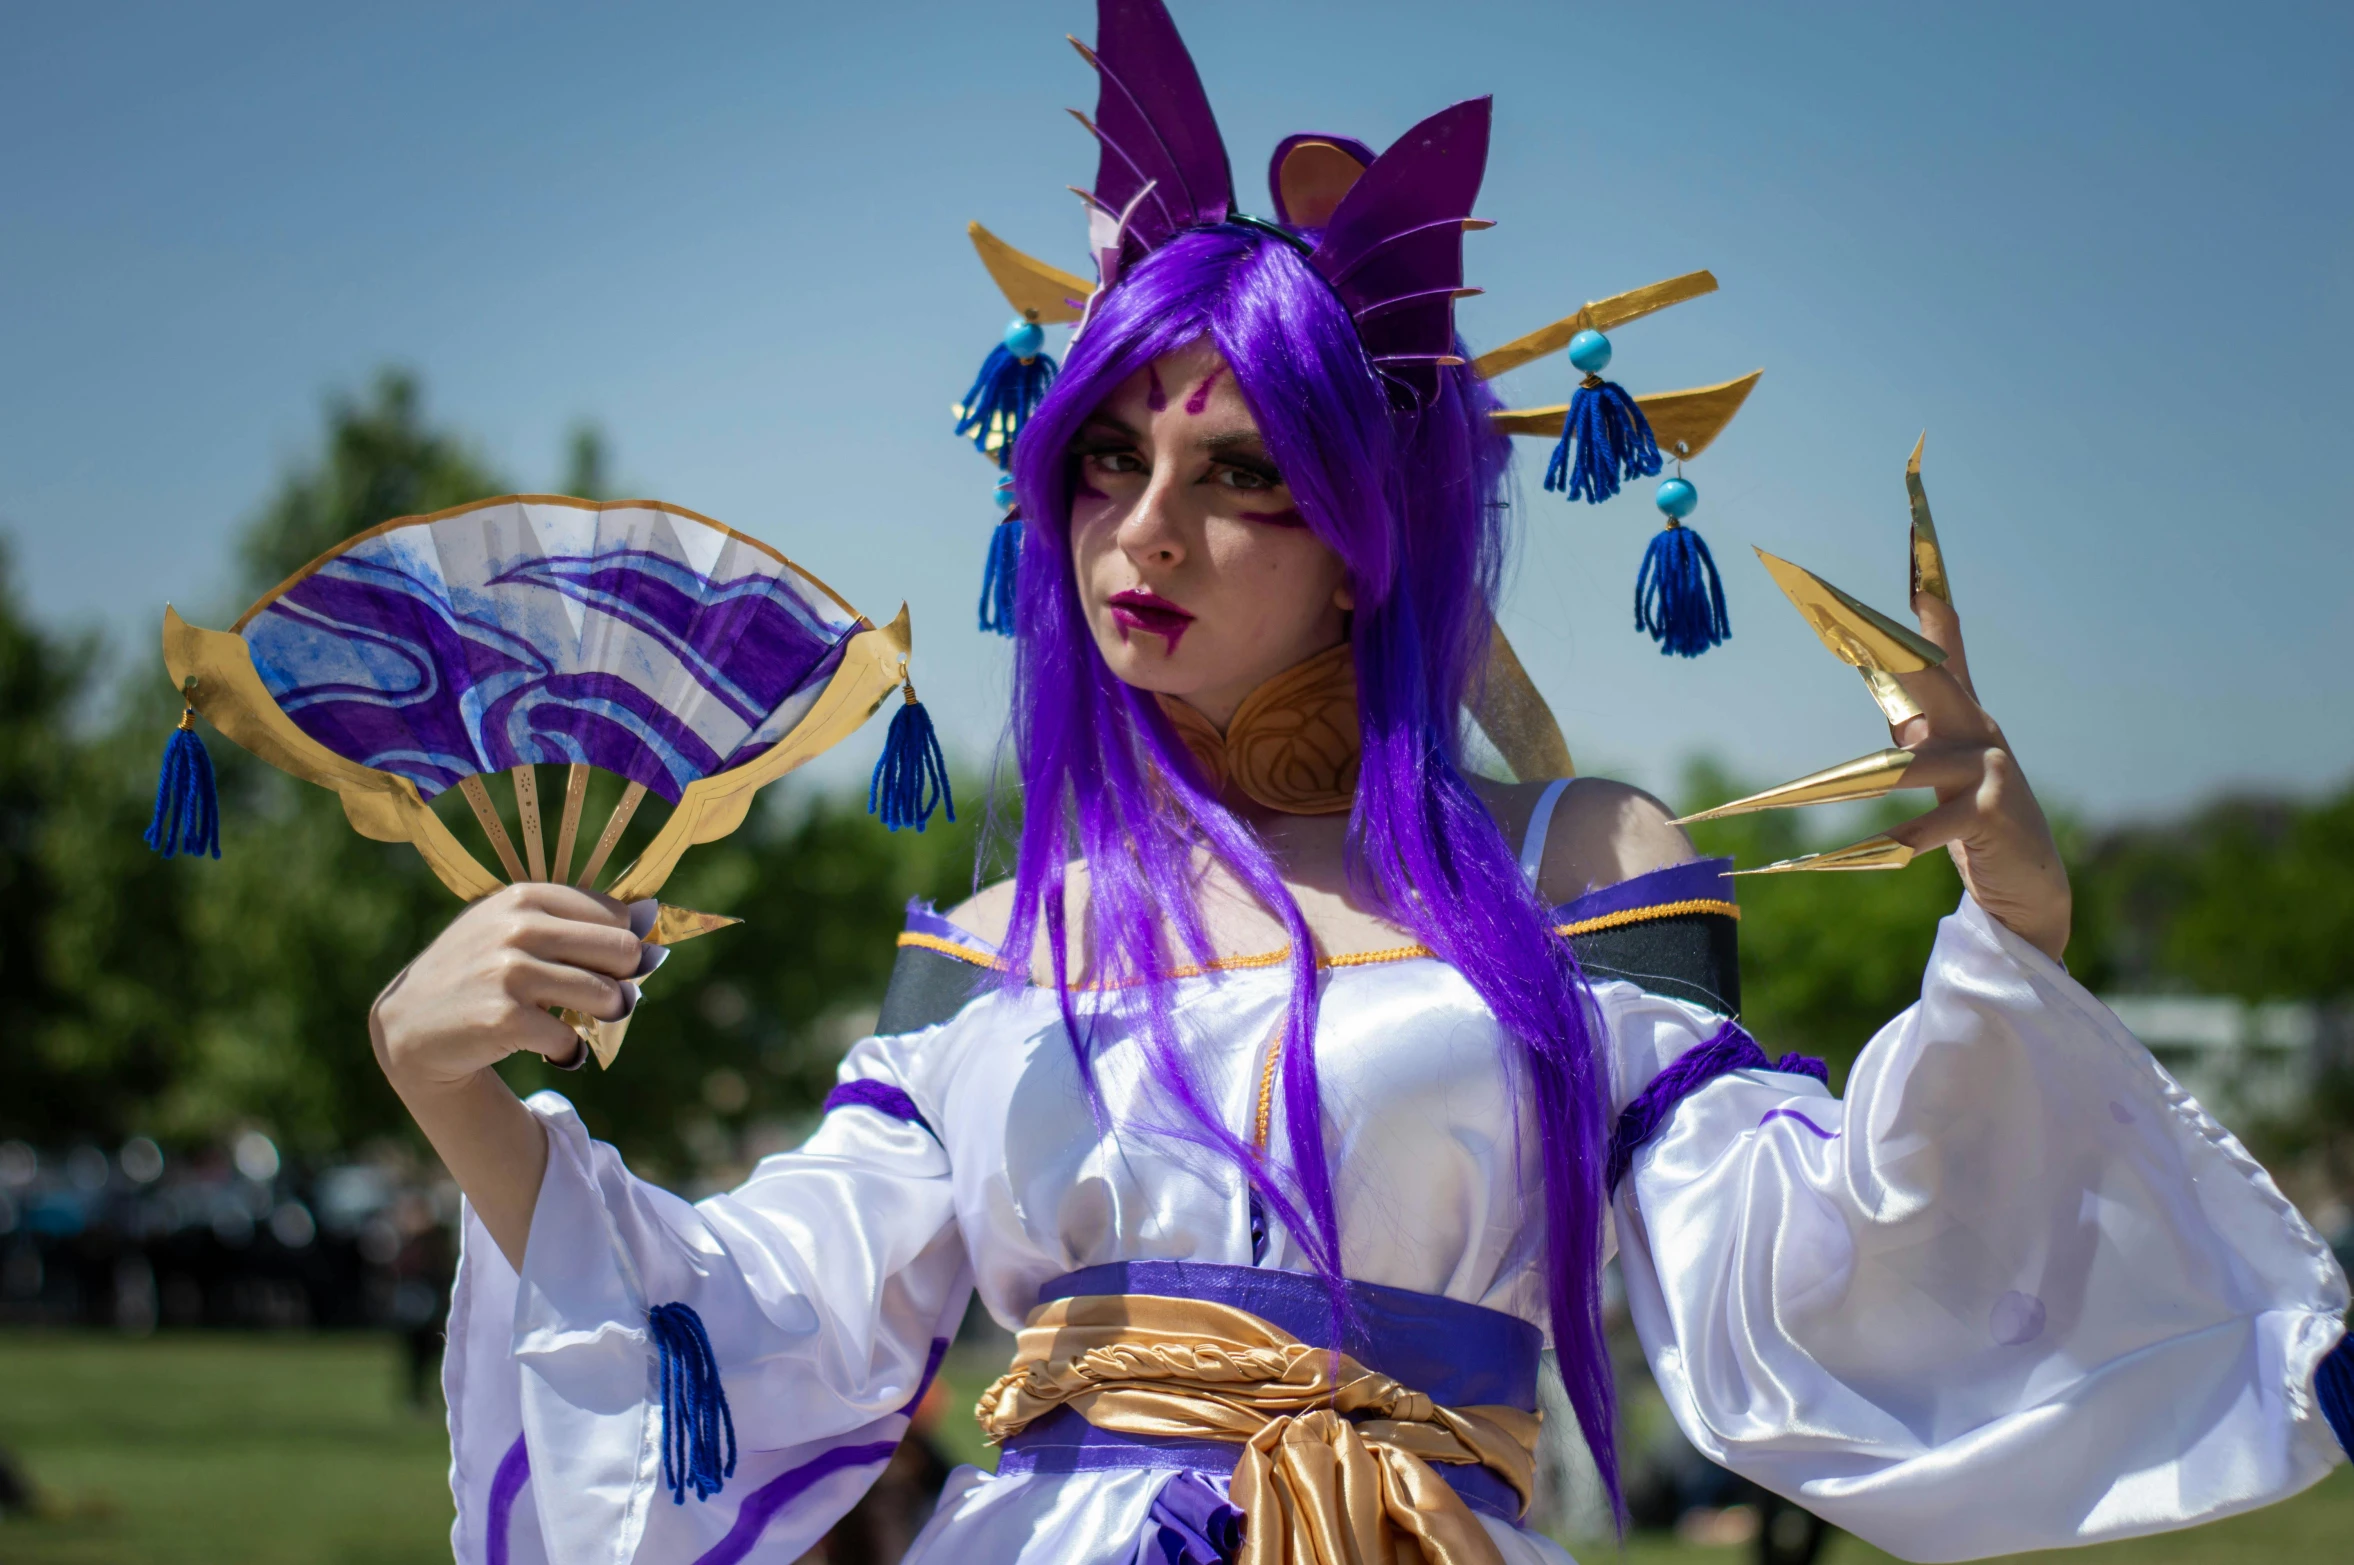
{"x":2333,"y":1385}
{"x":1679,"y":598}
{"x":1606,"y":438}
{"x":187,"y":800}
{"x":695,"y":1420}
{"x":1012,"y":382}
{"x":911,"y":779}
{"x":1000,"y":578}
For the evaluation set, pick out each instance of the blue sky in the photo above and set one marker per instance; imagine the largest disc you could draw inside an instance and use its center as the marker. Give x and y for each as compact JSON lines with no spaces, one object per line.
{"x":2103,"y":253}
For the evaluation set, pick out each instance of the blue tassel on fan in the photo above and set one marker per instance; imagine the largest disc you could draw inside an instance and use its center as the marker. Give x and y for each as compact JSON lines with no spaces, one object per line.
{"x":187,"y":800}
{"x":695,"y":1419}
{"x":1678,"y":596}
{"x":1012,"y":382}
{"x":911,"y":779}
{"x":1005,"y":558}
{"x":1606,"y":438}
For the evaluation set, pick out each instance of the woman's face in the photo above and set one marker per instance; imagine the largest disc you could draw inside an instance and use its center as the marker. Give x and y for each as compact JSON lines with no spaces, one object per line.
{"x":1200,"y":578}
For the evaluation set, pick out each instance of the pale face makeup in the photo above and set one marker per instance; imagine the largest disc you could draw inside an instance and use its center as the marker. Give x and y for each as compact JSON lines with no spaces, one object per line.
{"x":1200,"y":578}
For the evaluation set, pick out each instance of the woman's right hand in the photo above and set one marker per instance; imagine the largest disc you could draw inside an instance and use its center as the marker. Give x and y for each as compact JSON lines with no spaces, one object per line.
{"x":483,"y":989}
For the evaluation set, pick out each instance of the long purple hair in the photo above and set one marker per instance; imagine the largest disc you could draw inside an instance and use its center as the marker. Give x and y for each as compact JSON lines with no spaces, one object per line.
{"x":1413,"y":504}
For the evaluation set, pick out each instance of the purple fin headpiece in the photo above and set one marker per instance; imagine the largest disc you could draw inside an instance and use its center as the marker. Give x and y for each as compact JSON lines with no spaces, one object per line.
{"x":1386,"y":231}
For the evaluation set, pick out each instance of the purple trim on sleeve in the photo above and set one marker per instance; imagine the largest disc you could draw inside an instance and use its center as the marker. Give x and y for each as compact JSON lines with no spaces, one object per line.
{"x":2333,"y":1385}
{"x":1793,"y":1114}
{"x":1700,"y":880}
{"x":1730,"y":1049}
{"x":763,"y":1504}
{"x":505,"y":1484}
{"x":925,"y":919}
{"x":883,"y":1098}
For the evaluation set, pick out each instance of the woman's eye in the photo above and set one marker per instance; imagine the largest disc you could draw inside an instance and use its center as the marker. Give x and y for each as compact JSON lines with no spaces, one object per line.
{"x":1115,"y":461}
{"x":1246,"y":480}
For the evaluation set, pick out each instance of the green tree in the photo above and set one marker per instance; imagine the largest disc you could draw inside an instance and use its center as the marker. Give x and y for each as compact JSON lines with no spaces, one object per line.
{"x":41,"y":680}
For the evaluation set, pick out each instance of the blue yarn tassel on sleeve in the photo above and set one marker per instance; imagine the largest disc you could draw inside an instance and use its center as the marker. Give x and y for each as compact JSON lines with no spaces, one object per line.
{"x":695,"y":1419}
{"x":1012,"y":382}
{"x":911,"y":778}
{"x":1679,"y":598}
{"x":187,"y":800}
{"x":2333,"y":1385}
{"x":1605,"y":438}
{"x":1000,"y":578}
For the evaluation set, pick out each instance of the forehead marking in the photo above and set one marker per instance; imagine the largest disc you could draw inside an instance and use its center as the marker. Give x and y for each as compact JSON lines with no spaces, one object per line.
{"x":1154,"y":397}
{"x":1201,"y":393}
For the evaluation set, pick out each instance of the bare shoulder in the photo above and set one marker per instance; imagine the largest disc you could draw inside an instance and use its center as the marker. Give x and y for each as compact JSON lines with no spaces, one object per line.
{"x":1602,"y":832}
{"x":986,"y":912}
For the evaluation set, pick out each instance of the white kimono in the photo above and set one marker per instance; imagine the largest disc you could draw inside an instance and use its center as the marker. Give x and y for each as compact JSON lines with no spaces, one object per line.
{"x":2016,"y":1290}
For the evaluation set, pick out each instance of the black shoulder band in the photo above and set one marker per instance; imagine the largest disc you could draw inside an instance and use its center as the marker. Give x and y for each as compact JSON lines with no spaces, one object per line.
{"x":927,"y":987}
{"x":1685,"y":955}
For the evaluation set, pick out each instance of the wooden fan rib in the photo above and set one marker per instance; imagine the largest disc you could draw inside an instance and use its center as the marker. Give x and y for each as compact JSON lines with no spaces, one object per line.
{"x":486,"y":814}
{"x":535,"y":849}
{"x":610,"y":837}
{"x":576,"y":778}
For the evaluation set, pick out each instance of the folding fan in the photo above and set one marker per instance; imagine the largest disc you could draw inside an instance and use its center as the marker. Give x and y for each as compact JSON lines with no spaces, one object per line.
{"x":630,"y":636}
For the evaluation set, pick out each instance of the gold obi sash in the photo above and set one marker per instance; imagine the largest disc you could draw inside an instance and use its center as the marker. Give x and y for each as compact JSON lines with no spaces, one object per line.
{"x":1335,"y":1467}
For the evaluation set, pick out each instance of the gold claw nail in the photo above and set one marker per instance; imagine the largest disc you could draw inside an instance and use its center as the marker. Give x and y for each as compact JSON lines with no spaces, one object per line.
{"x":1928,"y":560}
{"x":1865,"y":777}
{"x":1871,"y":853}
{"x":1858,"y":635}
{"x":673,"y":924}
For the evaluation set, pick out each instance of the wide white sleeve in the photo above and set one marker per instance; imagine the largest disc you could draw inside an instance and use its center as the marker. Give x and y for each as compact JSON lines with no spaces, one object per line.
{"x":2016,"y":1291}
{"x":828,"y":1284}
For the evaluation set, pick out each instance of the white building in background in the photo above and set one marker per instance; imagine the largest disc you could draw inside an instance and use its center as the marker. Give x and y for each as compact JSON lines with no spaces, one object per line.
{"x":2244,"y":1061}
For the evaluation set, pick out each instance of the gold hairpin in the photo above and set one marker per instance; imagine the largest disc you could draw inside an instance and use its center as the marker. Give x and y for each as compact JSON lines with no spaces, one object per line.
{"x":1882,"y":852}
{"x":1865,"y":777}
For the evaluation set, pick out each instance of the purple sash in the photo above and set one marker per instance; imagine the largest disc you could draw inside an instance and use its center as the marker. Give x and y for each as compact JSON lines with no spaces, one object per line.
{"x":1457,"y":1354}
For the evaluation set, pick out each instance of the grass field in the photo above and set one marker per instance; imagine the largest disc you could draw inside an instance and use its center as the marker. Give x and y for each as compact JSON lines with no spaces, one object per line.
{"x":235,"y":1450}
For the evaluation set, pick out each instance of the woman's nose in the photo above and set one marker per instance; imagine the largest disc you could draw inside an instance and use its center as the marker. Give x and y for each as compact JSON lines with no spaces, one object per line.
{"x":1154,"y":530}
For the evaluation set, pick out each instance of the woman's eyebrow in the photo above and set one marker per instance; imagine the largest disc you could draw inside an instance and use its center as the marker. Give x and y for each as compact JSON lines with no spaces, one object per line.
{"x":1100,"y":425}
{"x":1246,"y":442}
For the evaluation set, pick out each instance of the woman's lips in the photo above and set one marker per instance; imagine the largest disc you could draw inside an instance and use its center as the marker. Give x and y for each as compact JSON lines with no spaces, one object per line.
{"x":1150,"y":613}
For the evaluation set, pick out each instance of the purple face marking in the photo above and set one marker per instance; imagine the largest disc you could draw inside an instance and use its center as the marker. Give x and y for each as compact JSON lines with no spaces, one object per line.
{"x":1154,"y":397}
{"x":1289,"y":516}
{"x":1201,"y":393}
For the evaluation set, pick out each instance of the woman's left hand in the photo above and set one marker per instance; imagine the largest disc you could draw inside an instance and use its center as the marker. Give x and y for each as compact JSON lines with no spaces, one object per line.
{"x":1986,"y":815}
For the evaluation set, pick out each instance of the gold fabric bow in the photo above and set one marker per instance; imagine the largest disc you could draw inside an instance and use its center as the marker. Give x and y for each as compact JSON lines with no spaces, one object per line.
{"x":1335,"y":1463}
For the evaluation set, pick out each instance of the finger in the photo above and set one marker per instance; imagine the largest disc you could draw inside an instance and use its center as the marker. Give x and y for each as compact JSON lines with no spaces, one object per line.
{"x":1949,"y":822}
{"x":552,"y":1040}
{"x":1950,"y":715}
{"x":1943,"y":626}
{"x":597,"y":947}
{"x":561,"y":986}
{"x":570,"y":902}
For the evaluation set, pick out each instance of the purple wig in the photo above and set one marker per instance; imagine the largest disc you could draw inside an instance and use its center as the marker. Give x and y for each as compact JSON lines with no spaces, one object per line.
{"x":1413,"y":504}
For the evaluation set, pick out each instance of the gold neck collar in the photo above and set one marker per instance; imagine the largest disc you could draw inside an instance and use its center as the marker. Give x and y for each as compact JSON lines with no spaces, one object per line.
{"x":1293,"y":744}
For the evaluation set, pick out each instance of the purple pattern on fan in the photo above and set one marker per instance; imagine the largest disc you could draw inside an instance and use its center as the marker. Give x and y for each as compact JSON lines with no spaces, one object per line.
{"x":1393,"y":250}
{"x":647,"y":644}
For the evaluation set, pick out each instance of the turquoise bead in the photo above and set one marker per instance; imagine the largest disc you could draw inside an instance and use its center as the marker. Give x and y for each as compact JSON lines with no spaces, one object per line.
{"x":1005,"y":492}
{"x":1590,"y":351}
{"x":1023,"y":339}
{"x":1677,"y":497}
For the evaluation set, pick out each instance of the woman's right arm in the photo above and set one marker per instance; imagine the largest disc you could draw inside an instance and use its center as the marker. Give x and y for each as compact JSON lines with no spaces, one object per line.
{"x":479,"y":993}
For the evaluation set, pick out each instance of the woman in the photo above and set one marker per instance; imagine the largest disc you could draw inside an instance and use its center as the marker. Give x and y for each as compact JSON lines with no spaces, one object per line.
{"x":1288,"y":1031}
